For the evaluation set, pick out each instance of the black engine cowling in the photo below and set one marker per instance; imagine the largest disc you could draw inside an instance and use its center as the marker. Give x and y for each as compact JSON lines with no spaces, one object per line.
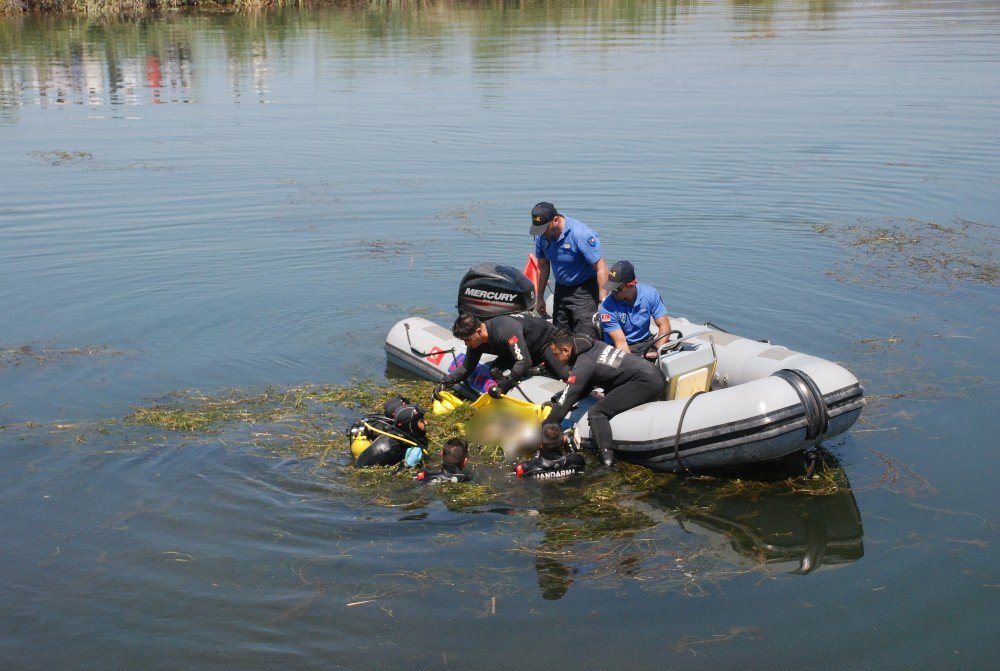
{"x":490,"y":289}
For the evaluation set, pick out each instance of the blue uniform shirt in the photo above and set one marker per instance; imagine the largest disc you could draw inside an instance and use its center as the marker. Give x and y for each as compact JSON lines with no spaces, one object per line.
{"x":632,"y":318}
{"x":573,"y":255}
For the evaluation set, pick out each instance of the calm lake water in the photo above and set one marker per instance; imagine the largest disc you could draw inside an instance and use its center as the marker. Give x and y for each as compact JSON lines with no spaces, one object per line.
{"x":213,"y":206}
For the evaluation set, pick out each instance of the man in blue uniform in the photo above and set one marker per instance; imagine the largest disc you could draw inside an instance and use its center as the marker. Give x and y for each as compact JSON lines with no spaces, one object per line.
{"x":572,"y":252}
{"x":627,"y":310}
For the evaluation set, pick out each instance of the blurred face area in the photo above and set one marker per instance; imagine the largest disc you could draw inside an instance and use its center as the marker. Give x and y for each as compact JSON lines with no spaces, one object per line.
{"x":555,"y":227}
{"x":562,"y":354}
{"x":478,"y":337}
{"x":625,"y":292}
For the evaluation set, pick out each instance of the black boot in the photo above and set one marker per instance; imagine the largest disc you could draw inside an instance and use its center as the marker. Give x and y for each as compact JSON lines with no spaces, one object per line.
{"x":607,"y":457}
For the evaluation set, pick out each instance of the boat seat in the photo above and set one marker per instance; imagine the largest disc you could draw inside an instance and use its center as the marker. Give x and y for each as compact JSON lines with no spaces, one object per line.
{"x":688,"y":367}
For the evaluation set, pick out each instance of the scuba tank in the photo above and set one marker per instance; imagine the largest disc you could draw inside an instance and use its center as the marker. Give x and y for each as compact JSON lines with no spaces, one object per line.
{"x":364,"y":432}
{"x":385,"y":440}
{"x":360,"y":440}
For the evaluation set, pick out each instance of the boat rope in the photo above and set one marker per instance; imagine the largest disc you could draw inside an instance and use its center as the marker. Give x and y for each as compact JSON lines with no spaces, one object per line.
{"x":425,"y":355}
{"x":719,"y":328}
{"x":677,"y":438}
{"x":524,"y":394}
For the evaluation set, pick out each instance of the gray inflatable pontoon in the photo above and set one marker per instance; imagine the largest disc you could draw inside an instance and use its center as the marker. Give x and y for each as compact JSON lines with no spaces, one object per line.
{"x":733,"y":400}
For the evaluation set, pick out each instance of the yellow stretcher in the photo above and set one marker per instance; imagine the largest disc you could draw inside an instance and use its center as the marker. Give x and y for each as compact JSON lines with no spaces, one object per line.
{"x":447,"y":402}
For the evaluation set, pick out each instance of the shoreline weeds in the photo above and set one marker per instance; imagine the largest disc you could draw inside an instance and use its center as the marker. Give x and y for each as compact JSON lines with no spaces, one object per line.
{"x":133,"y":9}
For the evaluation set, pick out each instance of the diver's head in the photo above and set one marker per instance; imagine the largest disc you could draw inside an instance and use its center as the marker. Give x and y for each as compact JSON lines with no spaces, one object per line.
{"x":470,"y":330}
{"x":553,"y":441}
{"x":455,"y":452}
{"x":410,"y":418}
{"x":394,"y":404}
{"x":562,"y":346}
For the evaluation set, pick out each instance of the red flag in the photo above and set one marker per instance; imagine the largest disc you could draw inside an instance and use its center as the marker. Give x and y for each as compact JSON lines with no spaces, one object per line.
{"x":531,"y":269}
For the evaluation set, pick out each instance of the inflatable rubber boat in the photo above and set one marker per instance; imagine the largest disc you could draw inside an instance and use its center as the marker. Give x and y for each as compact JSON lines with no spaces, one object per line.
{"x":729,"y":400}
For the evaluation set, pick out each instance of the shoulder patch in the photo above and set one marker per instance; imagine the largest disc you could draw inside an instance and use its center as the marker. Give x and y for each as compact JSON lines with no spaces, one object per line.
{"x":513,"y":340}
{"x":605,"y":317}
{"x":592,"y":241}
{"x":571,"y":379}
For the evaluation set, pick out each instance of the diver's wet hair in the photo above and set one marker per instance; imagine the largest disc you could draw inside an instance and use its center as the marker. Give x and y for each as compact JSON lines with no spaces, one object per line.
{"x":465,"y":326}
{"x":455,"y":451}
{"x":552,"y":436}
{"x":562,"y":338}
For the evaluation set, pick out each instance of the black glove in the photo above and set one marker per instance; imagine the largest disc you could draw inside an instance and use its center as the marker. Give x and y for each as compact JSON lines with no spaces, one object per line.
{"x":495,"y":391}
{"x":436,"y":394}
{"x":452,"y":378}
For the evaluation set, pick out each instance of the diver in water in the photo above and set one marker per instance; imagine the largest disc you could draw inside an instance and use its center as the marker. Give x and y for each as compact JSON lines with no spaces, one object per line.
{"x":454,"y":457}
{"x":398,"y":436}
{"x":556,"y":457}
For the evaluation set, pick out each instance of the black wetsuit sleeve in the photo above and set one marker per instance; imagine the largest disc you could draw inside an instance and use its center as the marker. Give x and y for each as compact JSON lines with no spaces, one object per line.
{"x":556,"y":368}
{"x":579,"y":384}
{"x":507,"y":338}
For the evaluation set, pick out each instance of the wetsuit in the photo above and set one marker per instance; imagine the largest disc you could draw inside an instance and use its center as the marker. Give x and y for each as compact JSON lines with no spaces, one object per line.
{"x":571,"y":258}
{"x":448,"y":473}
{"x":393,"y":442}
{"x":519,"y":342}
{"x":627,"y":381}
{"x":384,"y":451}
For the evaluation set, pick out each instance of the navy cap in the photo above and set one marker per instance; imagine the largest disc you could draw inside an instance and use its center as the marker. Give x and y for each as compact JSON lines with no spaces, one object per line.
{"x":541,"y":215}
{"x":621,"y":273}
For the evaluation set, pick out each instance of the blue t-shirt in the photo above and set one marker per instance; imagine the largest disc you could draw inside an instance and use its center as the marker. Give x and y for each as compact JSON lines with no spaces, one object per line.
{"x":632,"y":318}
{"x":573,"y":255}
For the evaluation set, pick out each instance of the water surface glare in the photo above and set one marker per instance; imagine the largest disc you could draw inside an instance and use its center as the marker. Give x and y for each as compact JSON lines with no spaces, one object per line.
{"x":202,"y":205}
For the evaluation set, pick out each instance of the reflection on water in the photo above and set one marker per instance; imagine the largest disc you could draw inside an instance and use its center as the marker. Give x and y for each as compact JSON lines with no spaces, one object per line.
{"x":600,"y":531}
{"x":59,"y":60}
{"x":795,"y":531}
{"x":206,"y":246}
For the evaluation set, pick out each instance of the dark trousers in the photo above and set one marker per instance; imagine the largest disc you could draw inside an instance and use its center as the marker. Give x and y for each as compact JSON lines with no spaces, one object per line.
{"x":617,"y":401}
{"x":573,"y":308}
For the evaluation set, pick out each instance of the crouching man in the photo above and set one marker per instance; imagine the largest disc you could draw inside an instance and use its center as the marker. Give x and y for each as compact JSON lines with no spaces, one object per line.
{"x":627,"y":380}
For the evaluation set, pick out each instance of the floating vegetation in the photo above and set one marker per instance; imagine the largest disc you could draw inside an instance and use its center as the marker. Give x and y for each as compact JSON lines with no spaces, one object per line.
{"x":386,"y":248}
{"x":898,"y":249}
{"x":307,"y":420}
{"x":28,"y":353}
{"x":902,"y":479}
{"x":62,"y":157}
{"x":688,"y":644}
{"x":600,"y":528}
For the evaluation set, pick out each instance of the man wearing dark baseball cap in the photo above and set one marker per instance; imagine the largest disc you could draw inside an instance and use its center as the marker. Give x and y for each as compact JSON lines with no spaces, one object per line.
{"x":571,"y":251}
{"x":628,"y":308}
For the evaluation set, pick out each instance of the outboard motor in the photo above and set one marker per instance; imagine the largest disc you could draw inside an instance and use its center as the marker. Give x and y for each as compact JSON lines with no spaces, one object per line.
{"x":490,"y":289}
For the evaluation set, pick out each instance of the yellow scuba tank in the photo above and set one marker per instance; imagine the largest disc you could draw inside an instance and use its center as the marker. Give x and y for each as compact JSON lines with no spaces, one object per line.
{"x":359,"y":440}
